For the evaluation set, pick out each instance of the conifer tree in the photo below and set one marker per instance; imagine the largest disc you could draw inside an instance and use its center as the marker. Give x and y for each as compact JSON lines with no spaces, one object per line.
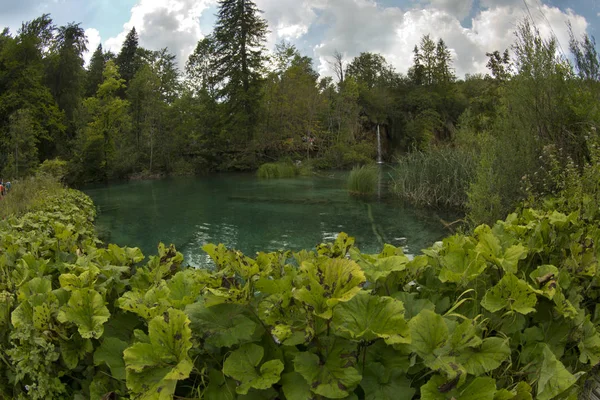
{"x":240,"y":34}
{"x":94,"y":72}
{"x":127,"y":59}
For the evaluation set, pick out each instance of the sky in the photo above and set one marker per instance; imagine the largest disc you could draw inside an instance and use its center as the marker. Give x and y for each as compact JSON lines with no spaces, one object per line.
{"x":318,"y":28}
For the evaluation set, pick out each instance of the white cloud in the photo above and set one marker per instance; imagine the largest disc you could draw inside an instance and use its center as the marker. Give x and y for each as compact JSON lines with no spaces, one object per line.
{"x":173,"y":24}
{"x":94,"y":40}
{"x":362,"y":26}
{"x":354,"y":26}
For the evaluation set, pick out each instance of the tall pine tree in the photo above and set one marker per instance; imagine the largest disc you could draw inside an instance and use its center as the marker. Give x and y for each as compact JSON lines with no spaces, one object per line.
{"x":65,"y":72}
{"x":240,"y":34}
{"x":94,"y":72}
{"x":126,"y":61}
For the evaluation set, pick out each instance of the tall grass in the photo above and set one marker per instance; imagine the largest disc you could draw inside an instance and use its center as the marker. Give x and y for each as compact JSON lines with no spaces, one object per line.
{"x":363,"y":180}
{"x":277,"y":170}
{"x":439,"y":177}
{"x":26,"y":193}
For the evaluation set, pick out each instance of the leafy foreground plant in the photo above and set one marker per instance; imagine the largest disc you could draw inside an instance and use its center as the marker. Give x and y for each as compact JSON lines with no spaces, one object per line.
{"x":508,"y":313}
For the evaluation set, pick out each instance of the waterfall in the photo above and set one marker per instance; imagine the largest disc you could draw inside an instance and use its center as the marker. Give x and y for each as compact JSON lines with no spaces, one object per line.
{"x":379,"y":161}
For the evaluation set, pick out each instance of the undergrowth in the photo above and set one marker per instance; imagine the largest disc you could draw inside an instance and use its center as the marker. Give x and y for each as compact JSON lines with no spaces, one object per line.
{"x":439,"y":177}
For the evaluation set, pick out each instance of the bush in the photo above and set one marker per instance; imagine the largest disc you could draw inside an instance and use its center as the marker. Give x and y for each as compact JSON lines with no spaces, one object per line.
{"x":343,"y":155}
{"x":55,"y":168}
{"x":363,"y":180}
{"x":439,"y":177}
{"x":277,"y":170}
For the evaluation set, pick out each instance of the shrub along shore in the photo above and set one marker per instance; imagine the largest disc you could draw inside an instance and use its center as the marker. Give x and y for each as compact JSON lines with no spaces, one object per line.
{"x":508,"y":312}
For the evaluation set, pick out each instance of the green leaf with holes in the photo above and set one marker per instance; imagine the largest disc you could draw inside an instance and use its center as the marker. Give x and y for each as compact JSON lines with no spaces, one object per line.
{"x":511,"y":294}
{"x":327,"y":283}
{"x":154,"y":368}
{"x":85,"y":309}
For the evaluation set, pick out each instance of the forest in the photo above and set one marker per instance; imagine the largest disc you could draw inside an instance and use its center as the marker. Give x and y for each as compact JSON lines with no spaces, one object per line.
{"x":479,"y":144}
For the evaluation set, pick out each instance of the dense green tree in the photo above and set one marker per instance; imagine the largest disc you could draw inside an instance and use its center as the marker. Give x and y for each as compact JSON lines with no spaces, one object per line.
{"x":65,"y":73}
{"x":93,"y":77}
{"x":22,"y":143}
{"x":432,"y":63}
{"x":376,"y":80}
{"x":145,"y":98}
{"x":199,"y":72}
{"x":127,"y":60}
{"x":103,"y":149}
{"x":22,"y":85}
{"x":292,"y":105}
{"x":165,"y":67}
{"x":239,"y":35}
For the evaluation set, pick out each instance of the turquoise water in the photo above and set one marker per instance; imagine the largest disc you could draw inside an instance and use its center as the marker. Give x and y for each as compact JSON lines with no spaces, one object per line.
{"x":253,"y":215}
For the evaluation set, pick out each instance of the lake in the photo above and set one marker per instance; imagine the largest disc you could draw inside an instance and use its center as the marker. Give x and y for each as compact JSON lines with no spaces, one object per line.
{"x":253,"y":215}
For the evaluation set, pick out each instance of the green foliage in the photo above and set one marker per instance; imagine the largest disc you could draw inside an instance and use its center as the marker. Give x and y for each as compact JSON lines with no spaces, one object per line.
{"x":101,"y":148}
{"x":363,"y":180}
{"x":28,"y":194}
{"x":439,"y":177}
{"x":55,"y":168}
{"x":277,"y":170}
{"x":343,"y":155}
{"x":239,"y":37}
{"x":508,"y":312}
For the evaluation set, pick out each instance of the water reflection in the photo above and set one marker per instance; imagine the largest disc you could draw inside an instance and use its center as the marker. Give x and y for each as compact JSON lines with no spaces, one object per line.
{"x":254,"y":215}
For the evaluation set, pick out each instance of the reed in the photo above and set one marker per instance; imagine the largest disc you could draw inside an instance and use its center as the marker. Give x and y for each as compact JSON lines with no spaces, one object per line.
{"x":439,"y":177}
{"x":363,"y":180}
{"x":277,"y":170}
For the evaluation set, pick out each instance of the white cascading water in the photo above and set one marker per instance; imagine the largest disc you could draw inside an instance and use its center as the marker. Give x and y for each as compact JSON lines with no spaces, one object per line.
{"x":379,"y":160}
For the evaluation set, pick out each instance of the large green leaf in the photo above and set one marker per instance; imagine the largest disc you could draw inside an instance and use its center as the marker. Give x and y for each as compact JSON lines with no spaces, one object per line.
{"x":219,"y":387}
{"x":510,"y":293}
{"x":459,"y":262}
{"x":328,"y":283}
{"x":490,"y":247}
{"x":554,"y":378}
{"x":380,"y":383}
{"x":154,"y":368}
{"x":380,"y":266}
{"x":111,"y":353}
{"x":242,"y":365}
{"x":295,"y":386}
{"x":488,"y":357}
{"x":148,"y":303}
{"x":437,"y":388}
{"x":185,"y":287}
{"x":589,"y":347}
{"x":428,"y":332}
{"x":368,"y":317}
{"x":85,"y":309}
{"x":391,"y":358}
{"x":335,"y":377}
{"x":222,"y":325}
{"x":74,"y":349}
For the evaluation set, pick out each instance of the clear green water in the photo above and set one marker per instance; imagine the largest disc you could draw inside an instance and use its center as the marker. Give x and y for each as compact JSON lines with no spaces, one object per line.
{"x":253,"y":215}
